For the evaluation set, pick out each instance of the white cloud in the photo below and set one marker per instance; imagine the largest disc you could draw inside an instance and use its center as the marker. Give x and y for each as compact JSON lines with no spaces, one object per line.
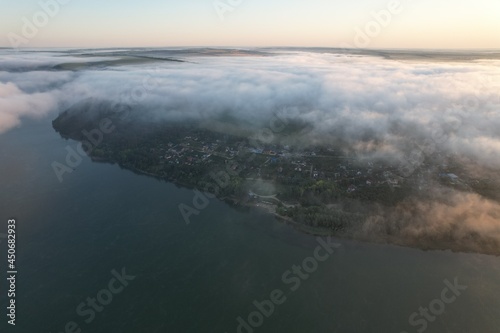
{"x":15,"y":104}
{"x":349,"y":97}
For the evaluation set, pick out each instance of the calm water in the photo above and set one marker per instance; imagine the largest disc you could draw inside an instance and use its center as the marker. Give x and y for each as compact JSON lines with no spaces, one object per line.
{"x":201,"y":277}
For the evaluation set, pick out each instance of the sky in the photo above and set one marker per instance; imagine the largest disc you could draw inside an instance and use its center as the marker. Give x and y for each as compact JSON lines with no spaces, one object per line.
{"x":427,"y":24}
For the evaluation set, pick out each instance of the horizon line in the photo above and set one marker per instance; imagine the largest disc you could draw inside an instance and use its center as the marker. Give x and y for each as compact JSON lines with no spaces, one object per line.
{"x":250,"y":47}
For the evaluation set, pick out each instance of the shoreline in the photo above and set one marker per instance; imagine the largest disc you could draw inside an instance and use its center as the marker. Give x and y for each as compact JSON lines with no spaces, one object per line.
{"x":352,"y":235}
{"x":231,"y":200}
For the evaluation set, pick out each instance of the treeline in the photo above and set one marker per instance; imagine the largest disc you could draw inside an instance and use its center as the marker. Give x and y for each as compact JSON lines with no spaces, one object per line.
{"x":335,"y":220}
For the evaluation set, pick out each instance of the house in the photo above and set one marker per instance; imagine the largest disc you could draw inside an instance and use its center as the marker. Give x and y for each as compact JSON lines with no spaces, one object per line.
{"x":352,"y":188}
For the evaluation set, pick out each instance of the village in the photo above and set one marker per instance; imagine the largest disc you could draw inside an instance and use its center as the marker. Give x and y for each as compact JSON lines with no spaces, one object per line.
{"x":322,"y":169}
{"x":280,"y":163}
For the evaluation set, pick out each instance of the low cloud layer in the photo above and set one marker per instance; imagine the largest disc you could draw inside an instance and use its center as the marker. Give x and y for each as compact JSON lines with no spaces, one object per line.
{"x":444,"y":219}
{"x":369,"y":104}
{"x":366,"y":101}
{"x":15,"y":104}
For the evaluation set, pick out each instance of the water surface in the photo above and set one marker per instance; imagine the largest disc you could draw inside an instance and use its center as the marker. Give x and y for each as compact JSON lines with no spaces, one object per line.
{"x":201,"y":277}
